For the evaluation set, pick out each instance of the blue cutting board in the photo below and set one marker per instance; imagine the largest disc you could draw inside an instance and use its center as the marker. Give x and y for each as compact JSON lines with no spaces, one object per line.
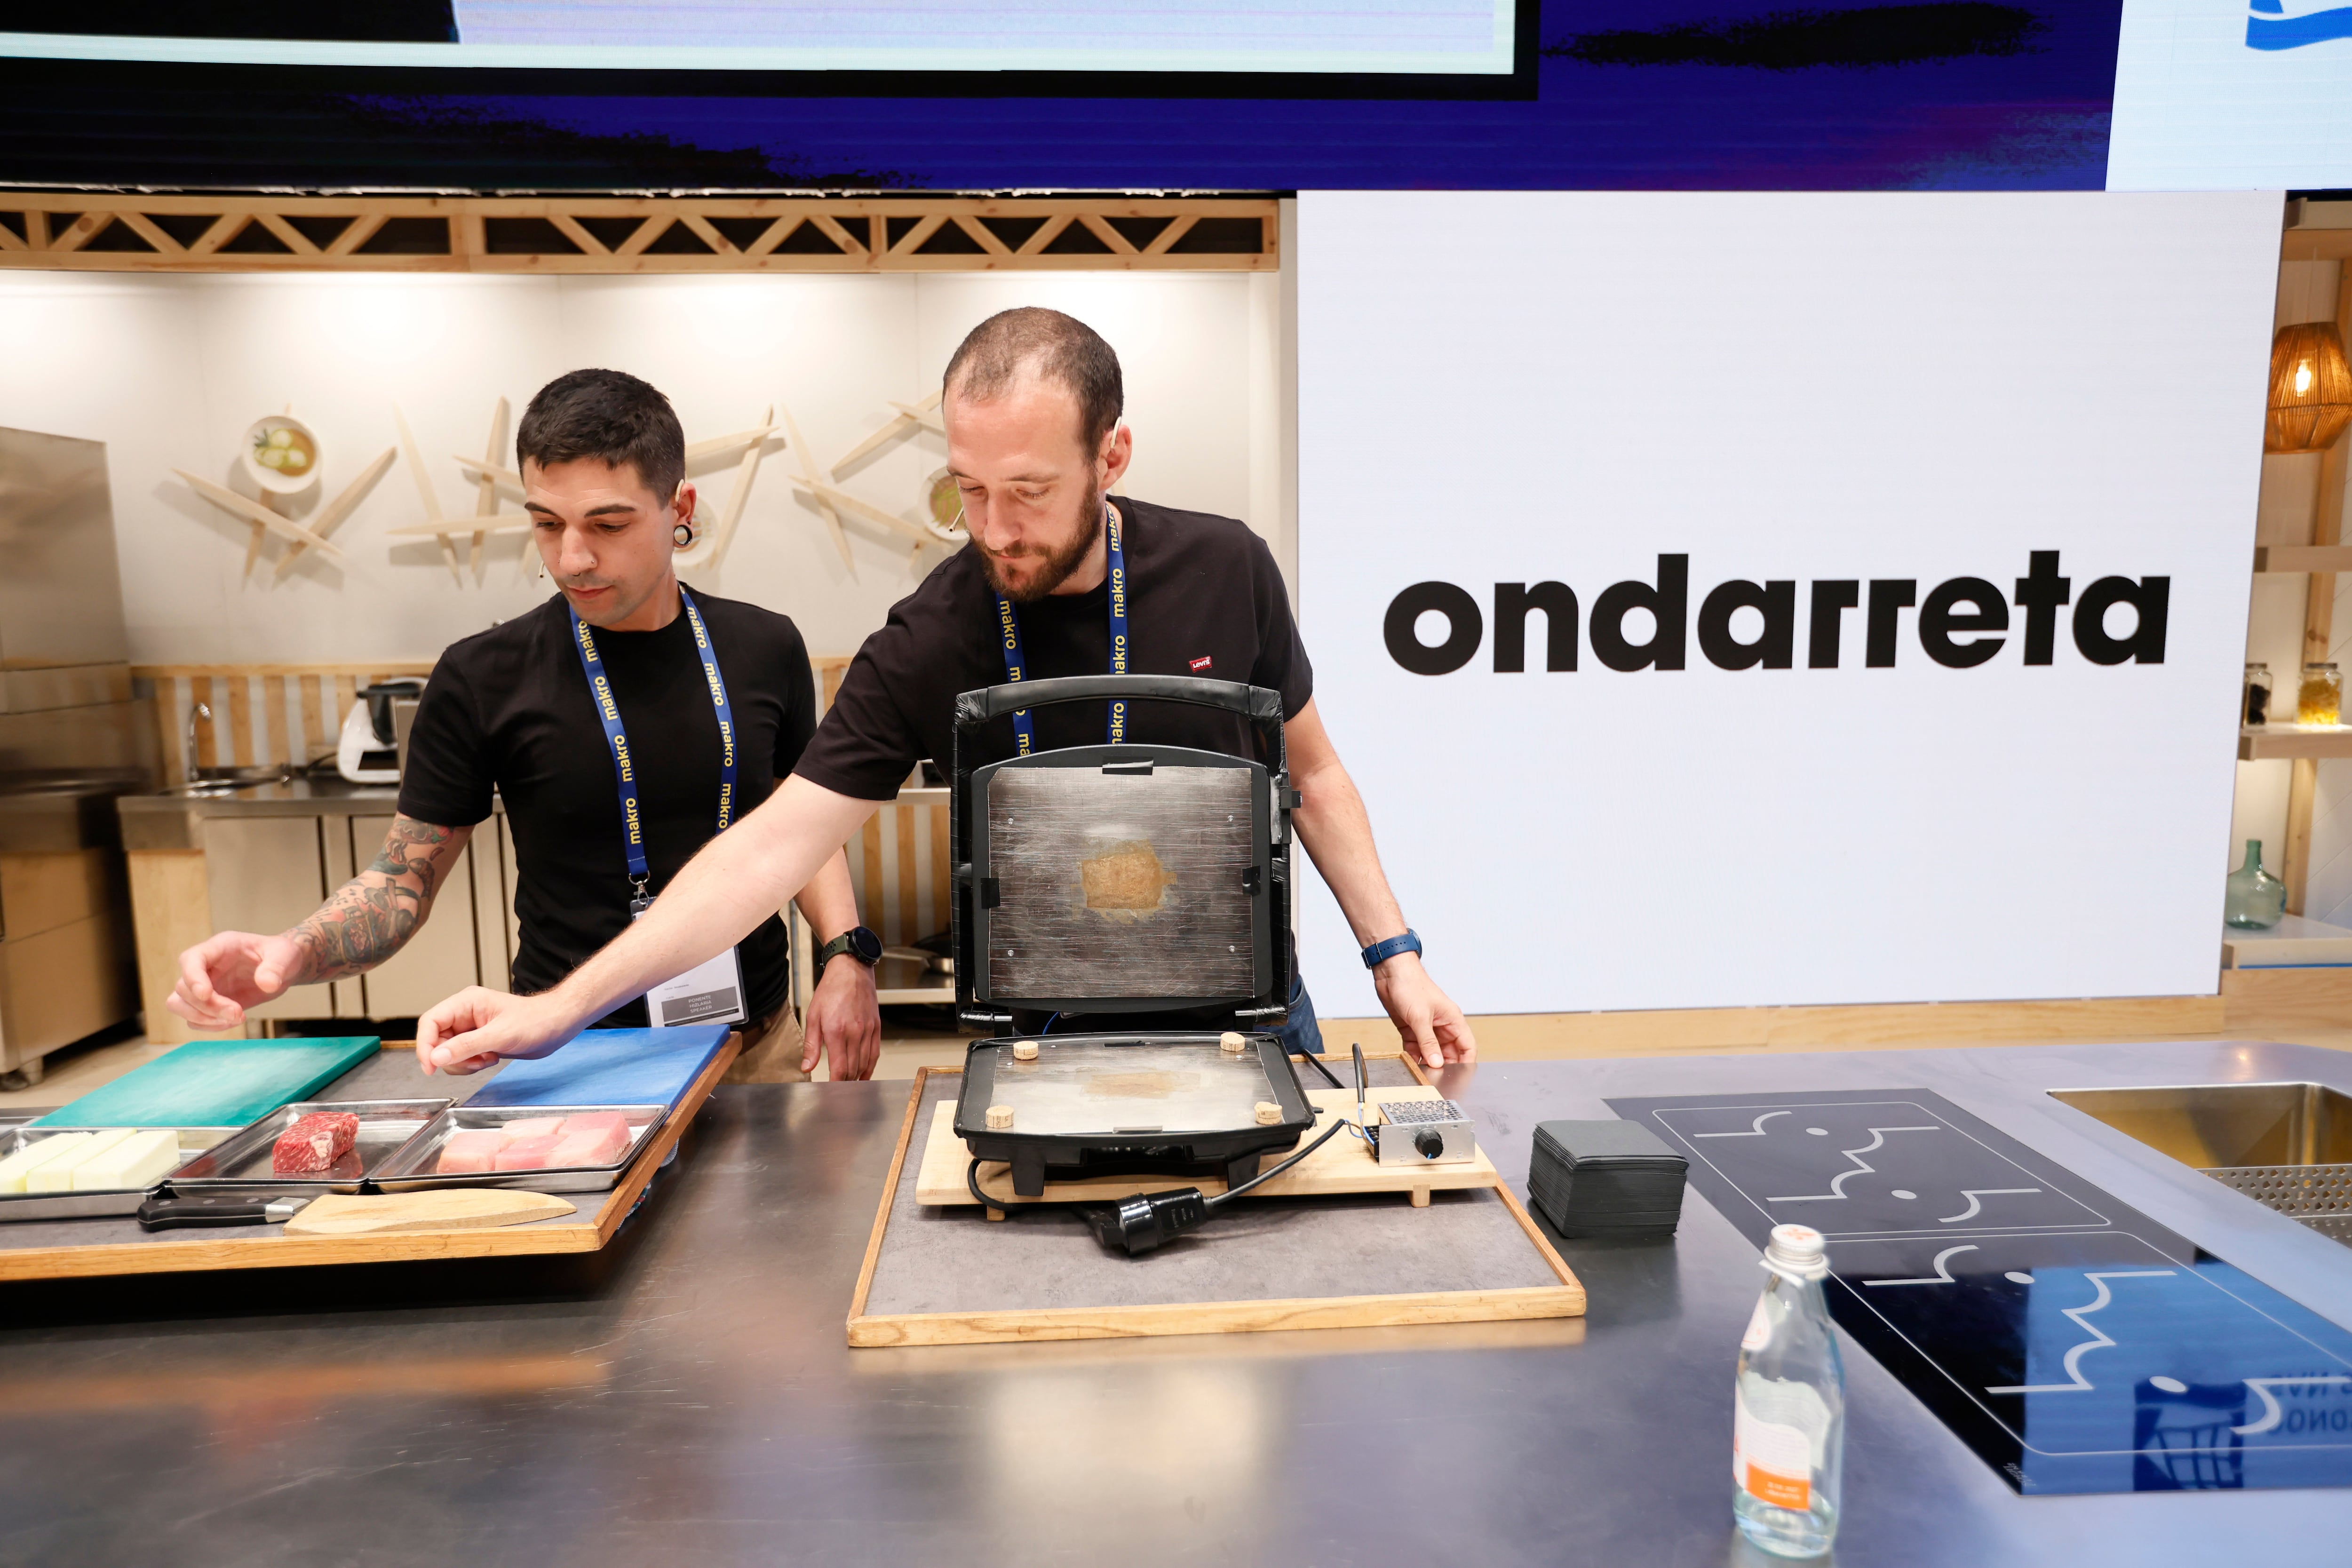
{"x":216,"y":1083}
{"x":610,"y":1067}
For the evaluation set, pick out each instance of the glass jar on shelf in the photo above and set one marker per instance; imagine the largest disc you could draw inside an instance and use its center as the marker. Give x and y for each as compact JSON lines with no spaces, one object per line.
{"x":2254,"y":698}
{"x":2320,"y":697}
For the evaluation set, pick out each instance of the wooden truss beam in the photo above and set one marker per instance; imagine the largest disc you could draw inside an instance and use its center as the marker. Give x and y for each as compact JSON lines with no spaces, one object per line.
{"x":84,"y":231}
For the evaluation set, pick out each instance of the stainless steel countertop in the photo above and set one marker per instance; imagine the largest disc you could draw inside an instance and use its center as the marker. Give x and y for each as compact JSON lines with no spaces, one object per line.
{"x":169,"y":819}
{"x":687,"y":1397}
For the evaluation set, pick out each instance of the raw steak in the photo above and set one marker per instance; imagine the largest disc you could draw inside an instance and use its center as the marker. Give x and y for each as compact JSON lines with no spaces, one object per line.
{"x":472,"y":1151}
{"x":313,"y":1144}
{"x":525,"y":1153}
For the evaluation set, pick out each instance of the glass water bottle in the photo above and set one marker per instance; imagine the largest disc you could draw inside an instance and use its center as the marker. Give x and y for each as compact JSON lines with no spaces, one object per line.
{"x":2257,"y":901}
{"x":1788,"y":1436}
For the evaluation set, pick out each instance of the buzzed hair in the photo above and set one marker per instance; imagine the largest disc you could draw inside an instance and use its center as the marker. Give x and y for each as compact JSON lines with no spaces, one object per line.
{"x":1058,"y":347}
{"x":610,"y":416}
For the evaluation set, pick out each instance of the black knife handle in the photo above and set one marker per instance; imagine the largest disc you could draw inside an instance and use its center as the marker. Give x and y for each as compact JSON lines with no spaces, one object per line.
{"x":209,"y":1208}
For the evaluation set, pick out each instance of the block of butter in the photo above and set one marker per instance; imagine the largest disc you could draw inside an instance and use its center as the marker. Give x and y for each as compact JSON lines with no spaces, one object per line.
{"x":139,"y":1161}
{"x":58,"y":1175}
{"x":39,"y":1151}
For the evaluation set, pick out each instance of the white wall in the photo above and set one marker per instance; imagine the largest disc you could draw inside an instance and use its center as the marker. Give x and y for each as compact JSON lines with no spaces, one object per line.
{"x":1847,"y":387}
{"x":169,"y":371}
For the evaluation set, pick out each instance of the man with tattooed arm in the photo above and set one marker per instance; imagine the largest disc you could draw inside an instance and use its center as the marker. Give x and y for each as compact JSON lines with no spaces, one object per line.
{"x":621,"y":724}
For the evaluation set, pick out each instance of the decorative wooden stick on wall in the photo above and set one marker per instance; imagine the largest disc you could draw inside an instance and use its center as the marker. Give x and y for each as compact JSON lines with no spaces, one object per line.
{"x":754,"y":443}
{"x":253,"y":511}
{"x":445,"y":530}
{"x":337,"y":509}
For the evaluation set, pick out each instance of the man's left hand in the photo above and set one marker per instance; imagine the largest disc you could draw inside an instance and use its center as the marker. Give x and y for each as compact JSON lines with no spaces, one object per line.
{"x":1433,"y":1026}
{"x":844,"y":1023}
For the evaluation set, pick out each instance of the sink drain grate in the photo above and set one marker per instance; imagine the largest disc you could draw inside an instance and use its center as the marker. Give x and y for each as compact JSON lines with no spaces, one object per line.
{"x":2303,"y":1191}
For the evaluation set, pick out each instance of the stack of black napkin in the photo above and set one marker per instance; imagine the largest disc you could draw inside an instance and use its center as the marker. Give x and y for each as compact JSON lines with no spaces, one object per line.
{"x":1606,"y":1178}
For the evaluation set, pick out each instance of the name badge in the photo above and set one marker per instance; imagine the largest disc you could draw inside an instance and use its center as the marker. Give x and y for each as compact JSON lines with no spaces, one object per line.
{"x":710,"y":993}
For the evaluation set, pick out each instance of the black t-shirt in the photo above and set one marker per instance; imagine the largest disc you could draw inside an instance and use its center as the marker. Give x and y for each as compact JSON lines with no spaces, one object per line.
{"x":509,"y":710}
{"x":1204,"y":598}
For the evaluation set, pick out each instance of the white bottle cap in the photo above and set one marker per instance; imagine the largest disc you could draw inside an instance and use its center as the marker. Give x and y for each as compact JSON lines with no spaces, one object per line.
{"x":1795,"y":1252}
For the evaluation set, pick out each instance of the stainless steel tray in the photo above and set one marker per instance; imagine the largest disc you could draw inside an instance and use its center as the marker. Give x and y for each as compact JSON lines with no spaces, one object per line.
{"x":241,"y":1163}
{"x":411,"y":1171}
{"x":92,"y":1204}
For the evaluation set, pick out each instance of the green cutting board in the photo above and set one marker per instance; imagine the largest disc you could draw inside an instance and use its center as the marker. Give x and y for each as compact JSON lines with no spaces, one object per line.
{"x":216,"y":1083}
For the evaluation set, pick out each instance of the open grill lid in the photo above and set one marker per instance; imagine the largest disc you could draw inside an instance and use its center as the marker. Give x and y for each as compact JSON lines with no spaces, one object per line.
{"x":1128,"y":878}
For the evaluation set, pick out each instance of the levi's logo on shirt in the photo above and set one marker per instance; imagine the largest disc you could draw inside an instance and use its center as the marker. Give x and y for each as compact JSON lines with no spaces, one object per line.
{"x":1200,"y":664}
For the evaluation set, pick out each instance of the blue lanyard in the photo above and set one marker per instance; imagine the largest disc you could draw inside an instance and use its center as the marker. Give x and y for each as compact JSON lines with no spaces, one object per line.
{"x":1024,"y":733}
{"x":600,"y":687}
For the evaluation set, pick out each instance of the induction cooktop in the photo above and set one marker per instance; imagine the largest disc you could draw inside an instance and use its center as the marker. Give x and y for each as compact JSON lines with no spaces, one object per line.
{"x":2074,"y":1343}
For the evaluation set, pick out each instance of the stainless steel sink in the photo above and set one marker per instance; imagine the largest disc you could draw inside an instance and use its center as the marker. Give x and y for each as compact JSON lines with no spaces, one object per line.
{"x":218,"y":781}
{"x":2288,"y":1145}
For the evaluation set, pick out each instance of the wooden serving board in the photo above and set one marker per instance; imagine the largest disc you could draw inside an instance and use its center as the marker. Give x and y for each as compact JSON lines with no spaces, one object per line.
{"x":1344,"y":1165}
{"x":23,"y":1257}
{"x":1507,"y":1285}
{"x":449,"y":1209}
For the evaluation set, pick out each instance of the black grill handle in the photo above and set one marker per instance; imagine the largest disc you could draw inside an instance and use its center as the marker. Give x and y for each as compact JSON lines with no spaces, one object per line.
{"x":1256,"y":704}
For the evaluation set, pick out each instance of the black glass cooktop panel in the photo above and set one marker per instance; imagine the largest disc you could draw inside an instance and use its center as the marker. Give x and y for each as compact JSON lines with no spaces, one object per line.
{"x":2074,"y":1343}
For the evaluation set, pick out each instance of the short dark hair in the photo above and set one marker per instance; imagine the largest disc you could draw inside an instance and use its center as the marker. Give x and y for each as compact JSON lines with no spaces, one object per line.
{"x":610,"y":416}
{"x":1060,"y":347}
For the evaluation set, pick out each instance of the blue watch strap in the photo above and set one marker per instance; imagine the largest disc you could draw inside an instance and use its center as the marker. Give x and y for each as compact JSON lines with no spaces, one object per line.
{"x":1390,"y":948}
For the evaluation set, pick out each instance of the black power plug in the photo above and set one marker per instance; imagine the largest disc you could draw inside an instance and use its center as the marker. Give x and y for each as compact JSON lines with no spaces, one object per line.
{"x":1143,"y":1222}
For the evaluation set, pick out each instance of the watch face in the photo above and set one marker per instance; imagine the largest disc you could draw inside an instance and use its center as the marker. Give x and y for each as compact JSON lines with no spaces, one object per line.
{"x":865,"y":944}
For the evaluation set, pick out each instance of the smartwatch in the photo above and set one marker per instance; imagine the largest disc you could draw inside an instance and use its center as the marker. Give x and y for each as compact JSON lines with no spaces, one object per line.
{"x":1389,"y":948}
{"x":858,"y":941}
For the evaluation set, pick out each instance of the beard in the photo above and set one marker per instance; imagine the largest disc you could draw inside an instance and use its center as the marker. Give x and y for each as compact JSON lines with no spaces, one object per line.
{"x":1057,"y":562}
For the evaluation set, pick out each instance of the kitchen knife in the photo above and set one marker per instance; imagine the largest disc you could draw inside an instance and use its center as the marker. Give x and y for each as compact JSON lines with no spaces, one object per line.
{"x":220,"y":1209}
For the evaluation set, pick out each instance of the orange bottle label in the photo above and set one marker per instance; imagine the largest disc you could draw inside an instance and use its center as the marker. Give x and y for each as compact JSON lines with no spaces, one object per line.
{"x":1781,"y":1491}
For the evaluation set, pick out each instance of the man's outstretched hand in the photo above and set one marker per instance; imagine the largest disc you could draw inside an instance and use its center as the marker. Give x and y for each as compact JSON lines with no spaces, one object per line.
{"x":1433,"y":1026}
{"x":230,"y":971}
{"x":477,"y":1027}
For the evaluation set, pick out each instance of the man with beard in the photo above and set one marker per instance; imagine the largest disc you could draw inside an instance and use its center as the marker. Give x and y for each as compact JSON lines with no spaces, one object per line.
{"x":1032,"y":408}
{"x":621,"y":724}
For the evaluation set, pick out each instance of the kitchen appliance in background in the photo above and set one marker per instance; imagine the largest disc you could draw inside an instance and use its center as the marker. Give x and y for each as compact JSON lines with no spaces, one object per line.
{"x":72,"y":738}
{"x":373,"y":747}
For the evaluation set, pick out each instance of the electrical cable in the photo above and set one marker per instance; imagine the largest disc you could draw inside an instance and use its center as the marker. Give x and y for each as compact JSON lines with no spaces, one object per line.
{"x":1231,"y":1192}
{"x":971,"y":1180}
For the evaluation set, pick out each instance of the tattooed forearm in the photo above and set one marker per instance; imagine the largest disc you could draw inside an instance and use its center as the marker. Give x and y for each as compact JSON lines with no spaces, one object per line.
{"x":375,"y":912}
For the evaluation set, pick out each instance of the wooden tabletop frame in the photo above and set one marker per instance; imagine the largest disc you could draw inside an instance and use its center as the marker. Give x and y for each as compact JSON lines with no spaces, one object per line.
{"x":1565,"y":1299}
{"x":207,"y":1250}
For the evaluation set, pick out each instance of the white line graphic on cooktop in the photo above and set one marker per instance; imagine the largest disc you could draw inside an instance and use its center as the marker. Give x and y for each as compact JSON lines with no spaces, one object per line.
{"x":1862,"y":1167}
{"x":2097,"y":1340}
{"x":1976,"y":1196}
{"x":1942,"y":1276}
{"x":2271,"y":1411}
{"x":1757,"y":1125}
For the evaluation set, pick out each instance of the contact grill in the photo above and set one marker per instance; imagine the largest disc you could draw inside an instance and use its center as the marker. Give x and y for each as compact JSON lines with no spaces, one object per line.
{"x":1129,"y":879}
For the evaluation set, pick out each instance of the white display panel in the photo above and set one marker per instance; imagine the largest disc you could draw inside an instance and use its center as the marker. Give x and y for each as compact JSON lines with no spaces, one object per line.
{"x":1470,"y":38}
{"x":1803,"y":389}
{"x":2232,"y":95}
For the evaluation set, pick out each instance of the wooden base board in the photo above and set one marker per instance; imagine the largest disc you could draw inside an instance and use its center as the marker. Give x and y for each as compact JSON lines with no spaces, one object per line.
{"x":233,"y":1249}
{"x":1344,"y":1165}
{"x":1565,"y":1299}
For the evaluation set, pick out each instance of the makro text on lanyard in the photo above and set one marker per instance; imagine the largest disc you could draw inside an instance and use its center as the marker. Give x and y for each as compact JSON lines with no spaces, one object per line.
{"x":1016,"y":664}
{"x":608,"y":712}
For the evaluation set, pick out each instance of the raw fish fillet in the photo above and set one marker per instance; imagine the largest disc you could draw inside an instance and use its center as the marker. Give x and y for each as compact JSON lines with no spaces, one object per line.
{"x":537,"y":1127}
{"x":526,"y":1154}
{"x":314,"y":1143}
{"x":474,"y":1150}
{"x":595,"y":1121}
{"x":596,"y":1146}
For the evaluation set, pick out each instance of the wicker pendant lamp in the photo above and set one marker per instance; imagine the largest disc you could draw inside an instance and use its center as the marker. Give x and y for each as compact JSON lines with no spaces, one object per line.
{"x":2311,"y":388}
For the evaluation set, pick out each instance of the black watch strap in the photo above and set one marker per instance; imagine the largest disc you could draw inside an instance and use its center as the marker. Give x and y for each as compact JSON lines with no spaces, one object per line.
{"x":858,"y":941}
